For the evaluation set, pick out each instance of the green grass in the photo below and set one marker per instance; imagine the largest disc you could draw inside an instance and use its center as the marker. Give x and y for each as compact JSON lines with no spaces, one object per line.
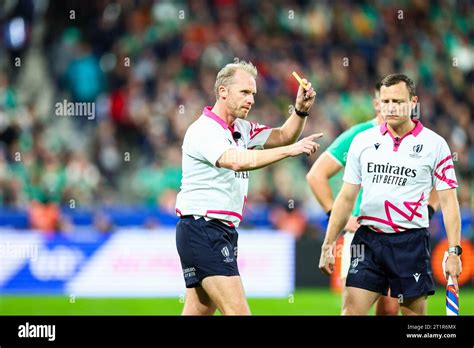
{"x":303,"y":302}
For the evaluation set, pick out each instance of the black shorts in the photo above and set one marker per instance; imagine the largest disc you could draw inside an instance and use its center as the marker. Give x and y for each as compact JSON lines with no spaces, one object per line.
{"x":399,"y":261}
{"x":206,"y":248}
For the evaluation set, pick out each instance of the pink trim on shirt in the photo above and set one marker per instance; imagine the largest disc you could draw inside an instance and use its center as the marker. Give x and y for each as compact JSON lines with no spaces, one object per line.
{"x":389,"y":205}
{"x":397,"y":140}
{"x":443,"y":161}
{"x":452,"y":183}
{"x":207,"y":112}
{"x":232,"y":130}
{"x":243,"y":206}
{"x":230,"y":224}
{"x":415,"y":131}
{"x":375,"y":229}
{"x":225,"y":212}
{"x":395,"y":227}
{"x":255,"y":130}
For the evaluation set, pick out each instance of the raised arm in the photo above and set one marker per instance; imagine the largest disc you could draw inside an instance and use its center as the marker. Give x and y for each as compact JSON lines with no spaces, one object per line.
{"x":294,"y":125}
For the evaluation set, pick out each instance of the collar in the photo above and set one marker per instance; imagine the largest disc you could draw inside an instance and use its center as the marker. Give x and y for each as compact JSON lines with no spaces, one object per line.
{"x":415,"y":131}
{"x":207,"y":112}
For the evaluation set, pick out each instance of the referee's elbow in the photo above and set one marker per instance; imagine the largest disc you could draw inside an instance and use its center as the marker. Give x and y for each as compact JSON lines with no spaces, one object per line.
{"x":231,"y":159}
{"x":236,"y":165}
{"x":232,"y":165}
{"x":290,"y":140}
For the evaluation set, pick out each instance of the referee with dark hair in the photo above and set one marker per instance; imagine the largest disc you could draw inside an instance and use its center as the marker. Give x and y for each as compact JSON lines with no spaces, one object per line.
{"x":398,"y":164}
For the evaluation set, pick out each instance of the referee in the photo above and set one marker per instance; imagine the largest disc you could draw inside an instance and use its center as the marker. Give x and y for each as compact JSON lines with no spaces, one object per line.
{"x":219,"y":150}
{"x":328,"y":165}
{"x":398,"y":164}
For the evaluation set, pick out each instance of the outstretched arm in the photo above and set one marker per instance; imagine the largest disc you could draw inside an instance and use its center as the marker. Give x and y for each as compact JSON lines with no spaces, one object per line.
{"x":239,"y":160}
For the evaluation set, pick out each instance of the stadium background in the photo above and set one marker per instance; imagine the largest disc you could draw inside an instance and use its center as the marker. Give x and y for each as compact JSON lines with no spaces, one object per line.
{"x":87,"y":200}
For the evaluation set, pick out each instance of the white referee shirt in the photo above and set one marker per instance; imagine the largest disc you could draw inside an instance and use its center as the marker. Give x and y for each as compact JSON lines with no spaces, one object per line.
{"x":207,"y":190}
{"x":397,"y":176}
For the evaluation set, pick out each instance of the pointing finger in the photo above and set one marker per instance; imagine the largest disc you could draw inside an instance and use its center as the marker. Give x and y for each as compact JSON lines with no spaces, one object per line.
{"x":315,"y":136}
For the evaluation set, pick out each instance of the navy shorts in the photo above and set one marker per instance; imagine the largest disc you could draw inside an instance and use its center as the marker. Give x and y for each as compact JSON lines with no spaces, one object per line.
{"x":206,"y":248}
{"x":399,"y":261}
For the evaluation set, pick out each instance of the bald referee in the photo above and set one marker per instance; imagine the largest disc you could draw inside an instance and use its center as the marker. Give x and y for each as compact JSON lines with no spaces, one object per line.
{"x":219,"y":150}
{"x":398,"y":164}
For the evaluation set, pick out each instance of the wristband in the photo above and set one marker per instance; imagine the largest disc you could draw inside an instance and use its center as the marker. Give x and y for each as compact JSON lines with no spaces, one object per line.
{"x":301,"y":113}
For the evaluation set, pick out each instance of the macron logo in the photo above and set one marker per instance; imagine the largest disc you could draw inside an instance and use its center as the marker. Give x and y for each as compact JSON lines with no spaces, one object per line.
{"x":417,"y":276}
{"x":32,"y":331}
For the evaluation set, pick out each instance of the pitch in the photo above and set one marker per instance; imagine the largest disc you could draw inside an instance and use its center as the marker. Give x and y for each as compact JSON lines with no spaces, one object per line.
{"x":317,"y":301}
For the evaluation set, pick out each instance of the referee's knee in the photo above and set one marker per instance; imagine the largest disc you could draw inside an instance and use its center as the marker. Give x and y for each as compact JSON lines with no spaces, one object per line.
{"x":236,"y":308}
{"x":350,"y":307}
{"x":346,"y":310}
{"x":352,"y":310}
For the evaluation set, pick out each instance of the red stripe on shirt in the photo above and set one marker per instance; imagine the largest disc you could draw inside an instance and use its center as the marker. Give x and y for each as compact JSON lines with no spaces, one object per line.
{"x":255,"y":130}
{"x":225,"y":212}
{"x":452,"y":183}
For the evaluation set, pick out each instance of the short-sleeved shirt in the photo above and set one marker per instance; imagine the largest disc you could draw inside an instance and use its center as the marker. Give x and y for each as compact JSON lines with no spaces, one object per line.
{"x":207,"y":190}
{"x":397,"y":175}
{"x":340,"y":147}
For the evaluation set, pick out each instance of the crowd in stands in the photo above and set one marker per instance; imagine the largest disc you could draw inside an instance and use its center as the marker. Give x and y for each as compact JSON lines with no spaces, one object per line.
{"x":148,"y":68}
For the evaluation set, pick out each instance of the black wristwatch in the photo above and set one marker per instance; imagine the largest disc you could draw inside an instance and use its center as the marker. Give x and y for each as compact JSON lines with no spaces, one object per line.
{"x":301,"y":113}
{"x":455,"y":250}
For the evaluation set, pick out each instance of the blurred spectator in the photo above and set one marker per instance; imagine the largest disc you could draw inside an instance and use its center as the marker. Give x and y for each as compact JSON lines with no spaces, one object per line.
{"x":7,"y":94}
{"x":82,"y":180}
{"x":44,"y":216}
{"x":103,"y":224}
{"x":149,"y":66}
{"x":84,"y":78}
